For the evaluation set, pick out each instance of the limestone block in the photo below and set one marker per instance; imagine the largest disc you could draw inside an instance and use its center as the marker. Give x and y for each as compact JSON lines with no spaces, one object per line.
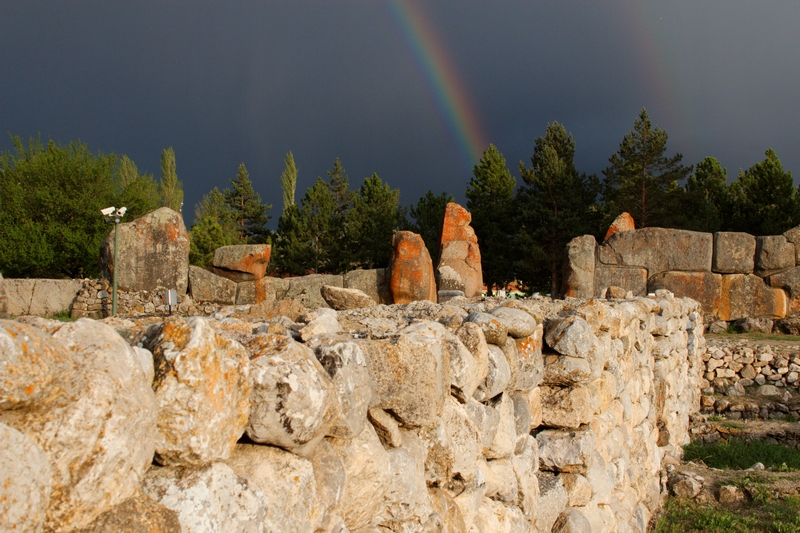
{"x":136,"y":515}
{"x":501,"y":482}
{"x":25,"y":483}
{"x":97,"y":425}
{"x":531,"y":362}
{"x":486,"y":419}
{"x":373,"y":283}
{"x":704,"y":287}
{"x":266,"y":289}
{"x":534,"y":397}
{"x":773,"y":253}
{"x":465,"y":374}
{"x":411,"y":276}
{"x":501,"y":518}
{"x":572,"y":521}
{"x":497,"y":377}
{"x":518,"y":323}
{"x":522,"y":414}
{"x":579,"y":268}
{"x":330,"y":479}
{"x":505,"y":438}
{"x":494,"y":330}
{"x":600,"y":476}
{"x":572,"y":336}
{"x":793,"y":236}
{"x":202,"y":388}
{"x":464,"y":436}
{"x":242,"y":262}
{"x":368,"y":476}
{"x":306,"y":289}
{"x":789,"y":280}
{"x":288,"y":484}
{"x":153,"y":252}
{"x":324,"y":323}
{"x":346,"y":364}
{"x":459,"y":265}
{"x":509,"y":349}
{"x":294,"y":403}
{"x":30,"y":361}
{"x":748,"y":296}
{"x":566,"y":407}
{"x":446,"y":507}
{"x":205,"y":286}
{"x":659,"y":250}
{"x":39,"y":297}
{"x":561,"y":370}
{"x":439,"y":460}
{"x":341,"y":299}
{"x":633,"y":279}
{"x":406,"y":503}
{"x":525,"y":463}
{"x":472,"y":337}
{"x":210,"y":498}
{"x":565,"y":451}
{"x":411,"y":376}
{"x":623,"y":222}
{"x":734,"y":252}
{"x":553,"y":499}
{"x":578,"y":488}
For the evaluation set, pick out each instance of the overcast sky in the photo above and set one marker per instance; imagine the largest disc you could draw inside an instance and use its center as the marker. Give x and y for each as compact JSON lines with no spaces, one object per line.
{"x":410,"y":90}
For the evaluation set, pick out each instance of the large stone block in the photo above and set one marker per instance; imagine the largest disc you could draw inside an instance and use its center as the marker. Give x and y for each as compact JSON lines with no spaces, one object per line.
{"x":773,"y":253}
{"x":459,"y":266}
{"x":624,"y":222}
{"x":566,"y":407}
{"x":373,"y":283}
{"x":705,"y":287}
{"x":659,"y":250}
{"x":747,"y":296}
{"x":411,"y":276}
{"x":242,"y":262}
{"x":304,"y":289}
{"x":25,"y":483}
{"x":629,"y":278}
{"x":579,"y":268}
{"x":39,"y":297}
{"x":205,"y":286}
{"x":793,"y":236}
{"x":789,"y":280}
{"x":153,"y":252}
{"x":734,"y":252}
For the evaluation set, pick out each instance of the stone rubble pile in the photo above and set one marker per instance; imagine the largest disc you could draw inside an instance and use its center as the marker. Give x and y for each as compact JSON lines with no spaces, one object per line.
{"x":474,"y":416}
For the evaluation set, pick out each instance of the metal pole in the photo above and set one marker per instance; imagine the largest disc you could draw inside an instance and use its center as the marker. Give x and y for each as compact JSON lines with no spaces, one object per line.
{"x":116,"y":266}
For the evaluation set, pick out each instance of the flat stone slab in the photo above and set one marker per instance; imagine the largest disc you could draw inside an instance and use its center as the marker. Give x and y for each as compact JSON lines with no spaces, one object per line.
{"x":659,"y":250}
{"x":243,"y":262}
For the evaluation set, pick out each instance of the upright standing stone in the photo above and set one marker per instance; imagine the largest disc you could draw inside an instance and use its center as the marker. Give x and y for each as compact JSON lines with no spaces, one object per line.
{"x":624,"y":222}
{"x":579,"y":266}
{"x":244,"y":262}
{"x":153,"y":252}
{"x":459,"y":266}
{"x":411,"y":275}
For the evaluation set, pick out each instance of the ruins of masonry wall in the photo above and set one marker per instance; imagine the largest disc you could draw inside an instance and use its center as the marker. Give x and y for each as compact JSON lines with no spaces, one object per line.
{"x":732,"y":275}
{"x":473,"y":416}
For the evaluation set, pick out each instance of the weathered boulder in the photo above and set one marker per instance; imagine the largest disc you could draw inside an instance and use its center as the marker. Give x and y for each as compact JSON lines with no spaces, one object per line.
{"x":518,"y":323}
{"x":294,"y":402}
{"x":746,"y":295}
{"x":343,"y":299}
{"x":494,"y":330}
{"x":374,"y":283}
{"x":138,"y":514}
{"x":498,"y":375}
{"x":288,"y":484}
{"x":459,"y":265}
{"x":632,"y":279}
{"x":465,"y":372}
{"x":572,"y":521}
{"x":205,"y":286}
{"x":411,"y":276}
{"x":39,"y":297}
{"x":25,"y":483}
{"x":734,"y":252}
{"x":153,"y":252}
{"x":96,"y":425}
{"x":579,"y":268}
{"x":704,"y":287}
{"x":411,"y":374}
{"x":659,"y":250}
{"x":531,"y":362}
{"x":789,"y":280}
{"x":202,"y":385}
{"x":210,"y":498}
{"x":242,"y":262}
{"x":623,"y":222}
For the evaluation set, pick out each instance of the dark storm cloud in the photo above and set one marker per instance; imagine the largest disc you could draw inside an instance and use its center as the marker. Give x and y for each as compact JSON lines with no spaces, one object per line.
{"x":247,"y":82}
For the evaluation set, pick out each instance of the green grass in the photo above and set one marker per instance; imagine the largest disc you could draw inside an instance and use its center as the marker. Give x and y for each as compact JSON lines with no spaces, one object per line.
{"x":740,"y":455}
{"x":62,"y":316}
{"x":733,"y":335}
{"x":767,"y":514}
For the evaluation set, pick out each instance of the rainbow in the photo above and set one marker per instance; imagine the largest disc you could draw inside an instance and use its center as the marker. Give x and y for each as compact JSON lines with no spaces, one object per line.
{"x":440,"y":76}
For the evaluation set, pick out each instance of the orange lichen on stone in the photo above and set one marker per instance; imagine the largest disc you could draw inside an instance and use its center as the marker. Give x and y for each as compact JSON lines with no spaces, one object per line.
{"x":623,"y":222}
{"x":411,"y":275}
{"x":459,"y":265}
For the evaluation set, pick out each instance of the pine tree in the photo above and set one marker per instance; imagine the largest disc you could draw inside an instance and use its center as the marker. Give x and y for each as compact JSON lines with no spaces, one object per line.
{"x":171,"y":187}
{"x":641,"y":179}
{"x":288,"y":181}
{"x":556,"y":204}
{"x":371,"y":223}
{"x":707,"y":198}
{"x":138,"y":192}
{"x":248,"y":211}
{"x":339,"y":256}
{"x":428,"y":215}
{"x":214,"y":227}
{"x":489,"y":196}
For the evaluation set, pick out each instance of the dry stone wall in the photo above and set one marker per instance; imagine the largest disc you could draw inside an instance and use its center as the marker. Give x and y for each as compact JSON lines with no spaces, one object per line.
{"x":732,"y":275}
{"x":475,"y":416}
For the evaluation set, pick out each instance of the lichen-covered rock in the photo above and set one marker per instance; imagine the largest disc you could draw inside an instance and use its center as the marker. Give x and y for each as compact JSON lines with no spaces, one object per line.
{"x":773,"y":253}
{"x":288,"y":484}
{"x":411,"y":276}
{"x":734,"y":253}
{"x":153,"y":252}
{"x":208,"y":499}
{"x":579,"y":268}
{"x":705,"y":287}
{"x":518,"y":323}
{"x":202,"y":388}
{"x":96,"y":425}
{"x":789,"y":280}
{"x":623,"y":222}
{"x":29,"y":363}
{"x":531,"y":362}
{"x":138,"y":514}
{"x":294,"y":403}
{"x":242,"y":262}
{"x":342,"y":299}
{"x":472,"y":337}
{"x":659,"y":250}
{"x":460,"y":257}
{"x":25,"y":483}
{"x":495,"y":331}
{"x":205,"y":286}
{"x":746,"y":295}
